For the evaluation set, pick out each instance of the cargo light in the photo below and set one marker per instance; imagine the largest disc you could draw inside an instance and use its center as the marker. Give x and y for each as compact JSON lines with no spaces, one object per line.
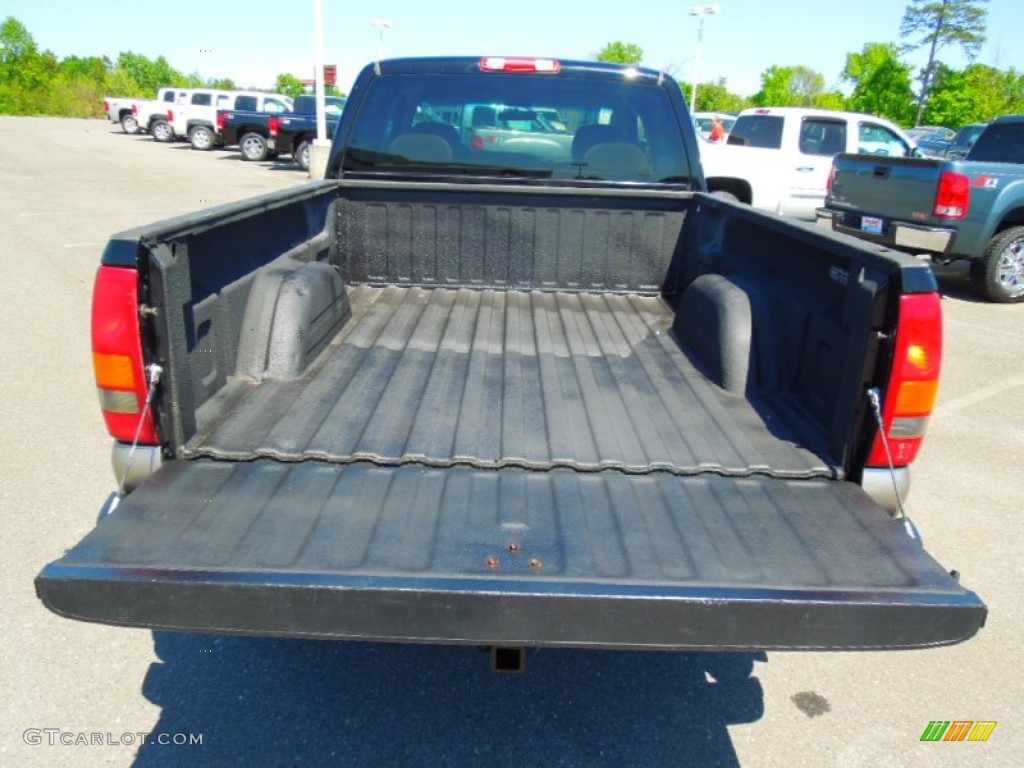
{"x":502,"y":64}
{"x":117,"y":355}
{"x":914,"y":382}
{"x":953,"y":199}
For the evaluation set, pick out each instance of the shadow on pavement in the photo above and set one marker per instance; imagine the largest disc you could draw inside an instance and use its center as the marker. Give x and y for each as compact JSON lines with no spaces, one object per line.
{"x":290,"y":702}
{"x":955,"y":282}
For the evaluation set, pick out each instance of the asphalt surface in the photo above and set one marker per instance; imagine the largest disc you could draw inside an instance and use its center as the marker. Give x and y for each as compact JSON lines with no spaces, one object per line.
{"x":65,"y":186}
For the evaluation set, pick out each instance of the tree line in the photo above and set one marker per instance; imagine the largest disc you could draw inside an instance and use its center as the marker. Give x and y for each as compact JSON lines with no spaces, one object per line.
{"x":35,"y":82}
{"x":878,"y":79}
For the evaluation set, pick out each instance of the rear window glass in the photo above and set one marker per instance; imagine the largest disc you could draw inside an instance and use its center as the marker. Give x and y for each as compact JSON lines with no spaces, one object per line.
{"x":202,"y":99}
{"x":764,"y":131}
{"x":1000,"y":143}
{"x":245,"y":102}
{"x":518,"y":125}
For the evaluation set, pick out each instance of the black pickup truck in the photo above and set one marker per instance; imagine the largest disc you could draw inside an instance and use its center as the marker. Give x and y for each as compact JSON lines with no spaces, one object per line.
{"x":298,"y":129}
{"x":451,"y":395}
{"x":260,"y":135}
{"x":254,"y":132}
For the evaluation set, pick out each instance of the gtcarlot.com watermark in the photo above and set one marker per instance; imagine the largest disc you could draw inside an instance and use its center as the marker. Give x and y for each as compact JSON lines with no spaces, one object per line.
{"x":62,"y":737}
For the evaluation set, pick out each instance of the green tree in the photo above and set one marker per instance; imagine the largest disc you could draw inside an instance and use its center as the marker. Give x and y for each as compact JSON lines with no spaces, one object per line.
{"x":715,"y":97}
{"x":222,"y":84}
{"x":795,"y":87}
{"x":621,"y":53}
{"x":24,"y":72}
{"x":16,"y":43}
{"x":141,"y":76}
{"x":977,"y":93}
{"x":289,"y":85}
{"x":881,"y":83}
{"x":78,"y":88}
{"x":91,"y":67}
{"x":936,"y":24}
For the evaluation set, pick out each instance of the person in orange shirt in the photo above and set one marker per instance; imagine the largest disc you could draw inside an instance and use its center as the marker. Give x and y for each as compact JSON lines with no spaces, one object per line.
{"x":717,"y":129}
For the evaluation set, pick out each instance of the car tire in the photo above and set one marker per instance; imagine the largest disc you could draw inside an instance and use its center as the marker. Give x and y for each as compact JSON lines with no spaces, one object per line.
{"x":999,"y":274}
{"x":201,"y":138}
{"x":253,"y":147}
{"x":162,"y":131}
{"x":301,"y":155}
{"x":129,"y":124}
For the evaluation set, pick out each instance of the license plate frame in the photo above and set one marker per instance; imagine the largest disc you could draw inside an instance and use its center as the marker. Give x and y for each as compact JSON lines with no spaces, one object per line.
{"x":872,"y":225}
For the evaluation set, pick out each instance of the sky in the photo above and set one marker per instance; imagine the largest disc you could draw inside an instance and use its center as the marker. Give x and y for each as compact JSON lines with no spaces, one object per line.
{"x":251,"y":42}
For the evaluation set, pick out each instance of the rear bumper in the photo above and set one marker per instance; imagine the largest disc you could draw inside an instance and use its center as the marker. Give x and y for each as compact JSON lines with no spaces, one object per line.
{"x":900,"y":235}
{"x":511,"y":557}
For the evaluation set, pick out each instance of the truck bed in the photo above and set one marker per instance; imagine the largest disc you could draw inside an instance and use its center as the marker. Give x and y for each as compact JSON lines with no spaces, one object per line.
{"x":491,"y":379}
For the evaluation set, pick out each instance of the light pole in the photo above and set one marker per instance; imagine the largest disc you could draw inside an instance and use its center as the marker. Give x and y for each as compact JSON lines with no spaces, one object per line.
{"x":320,"y":147}
{"x":381,"y":25}
{"x":700,"y":11}
{"x":318,"y":71}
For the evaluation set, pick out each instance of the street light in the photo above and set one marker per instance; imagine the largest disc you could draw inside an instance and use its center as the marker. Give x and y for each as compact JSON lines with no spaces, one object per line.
{"x":381,"y":25}
{"x":700,"y":11}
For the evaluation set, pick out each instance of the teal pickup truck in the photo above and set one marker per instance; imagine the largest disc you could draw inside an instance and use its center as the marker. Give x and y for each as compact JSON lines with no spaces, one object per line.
{"x":970,"y":209}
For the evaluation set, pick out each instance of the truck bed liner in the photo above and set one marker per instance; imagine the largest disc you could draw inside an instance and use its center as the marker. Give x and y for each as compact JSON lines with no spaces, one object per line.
{"x":491,"y":379}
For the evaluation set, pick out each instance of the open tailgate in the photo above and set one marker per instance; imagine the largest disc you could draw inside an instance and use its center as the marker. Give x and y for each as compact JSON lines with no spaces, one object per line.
{"x":510,"y":557}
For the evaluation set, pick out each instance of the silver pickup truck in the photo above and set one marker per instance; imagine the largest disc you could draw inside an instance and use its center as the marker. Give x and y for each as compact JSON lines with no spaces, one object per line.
{"x":119,"y":110}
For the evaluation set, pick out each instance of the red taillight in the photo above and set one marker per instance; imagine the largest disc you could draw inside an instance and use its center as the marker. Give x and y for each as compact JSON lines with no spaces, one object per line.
{"x":106,"y":105}
{"x":504,"y":64}
{"x":135,"y":109}
{"x":830,"y":181}
{"x":954,"y":197}
{"x":222,"y":121}
{"x":170,"y":115}
{"x":477,"y":142}
{"x":117,"y":354}
{"x":914,"y":382}
{"x":274,"y":125}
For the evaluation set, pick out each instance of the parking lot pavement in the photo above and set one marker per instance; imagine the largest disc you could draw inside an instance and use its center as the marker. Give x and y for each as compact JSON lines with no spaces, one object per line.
{"x":65,"y":186}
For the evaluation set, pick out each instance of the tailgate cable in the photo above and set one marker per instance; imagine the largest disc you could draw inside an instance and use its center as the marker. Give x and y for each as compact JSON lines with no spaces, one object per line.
{"x":153,"y":372}
{"x":876,"y":407}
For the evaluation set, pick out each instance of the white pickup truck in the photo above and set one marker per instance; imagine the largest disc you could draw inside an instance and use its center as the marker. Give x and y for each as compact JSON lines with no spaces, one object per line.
{"x":196,"y":118}
{"x":778,"y":158}
{"x":151,"y":114}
